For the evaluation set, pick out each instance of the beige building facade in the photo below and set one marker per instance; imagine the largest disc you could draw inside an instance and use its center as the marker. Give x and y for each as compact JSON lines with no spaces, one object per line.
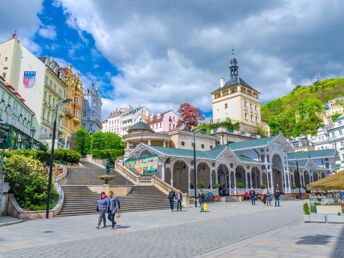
{"x":237,"y":100}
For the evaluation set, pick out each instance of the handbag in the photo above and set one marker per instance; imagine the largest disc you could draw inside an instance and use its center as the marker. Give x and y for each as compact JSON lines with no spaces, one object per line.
{"x":118,"y":215}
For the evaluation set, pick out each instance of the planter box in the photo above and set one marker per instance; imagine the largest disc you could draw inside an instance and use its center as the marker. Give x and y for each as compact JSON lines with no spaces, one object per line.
{"x":329,"y":209}
{"x":314,"y":218}
{"x":335,"y":219}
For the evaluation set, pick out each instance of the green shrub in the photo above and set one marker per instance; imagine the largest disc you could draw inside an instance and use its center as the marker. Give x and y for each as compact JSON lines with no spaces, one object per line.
{"x":339,"y":213}
{"x":105,"y":154}
{"x":43,"y":157}
{"x":28,"y":181}
{"x":67,"y":156}
{"x":216,"y":186}
{"x":240,"y":184}
{"x":262,"y":186}
{"x":306,"y":209}
{"x":200,"y":185}
{"x":293,"y":187}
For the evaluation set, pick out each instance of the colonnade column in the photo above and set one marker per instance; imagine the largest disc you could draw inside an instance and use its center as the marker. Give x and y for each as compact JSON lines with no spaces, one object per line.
{"x":171,"y":177}
{"x":211,"y":179}
{"x":163,"y":171}
{"x":246,"y":181}
{"x":235,"y":188}
{"x":189,"y":179}
{"x":149,"y":142}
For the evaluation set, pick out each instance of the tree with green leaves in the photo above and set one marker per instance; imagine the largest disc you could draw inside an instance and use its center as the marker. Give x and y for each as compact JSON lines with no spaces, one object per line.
{"x":104,"y":141}
{"x":82,"y":141}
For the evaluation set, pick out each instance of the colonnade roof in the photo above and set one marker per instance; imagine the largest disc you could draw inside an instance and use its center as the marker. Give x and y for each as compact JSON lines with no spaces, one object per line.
{"x":250,"y":144}
{"x":314,"y":154}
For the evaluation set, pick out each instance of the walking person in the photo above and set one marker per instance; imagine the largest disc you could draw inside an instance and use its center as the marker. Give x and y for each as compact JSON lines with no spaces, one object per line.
{"x":252,"y":195}
{"x":179,"y":198}
{"x":277,"y":196}
{"x":102,"y":208}
{"x":201,"y":199}
{"x":268,"y":198}
{"x":113,"y":207}
{"x":171,"y":196}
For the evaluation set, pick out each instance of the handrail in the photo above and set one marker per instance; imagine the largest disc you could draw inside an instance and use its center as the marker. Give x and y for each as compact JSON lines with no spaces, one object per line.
{"x":167,"y":187}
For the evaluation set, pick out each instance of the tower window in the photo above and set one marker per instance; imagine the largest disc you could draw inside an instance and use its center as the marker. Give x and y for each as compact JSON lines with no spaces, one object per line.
{"x":245,"y":116}
{"x":226,"y":105}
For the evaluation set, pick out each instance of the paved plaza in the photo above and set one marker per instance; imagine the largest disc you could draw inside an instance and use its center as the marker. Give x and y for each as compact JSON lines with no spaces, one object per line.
{"x":228,"y":230}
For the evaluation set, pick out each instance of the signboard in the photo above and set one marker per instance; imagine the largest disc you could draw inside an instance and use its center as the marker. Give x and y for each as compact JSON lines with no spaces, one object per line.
{"x":29,"y":79}
{"x":143,"y":166}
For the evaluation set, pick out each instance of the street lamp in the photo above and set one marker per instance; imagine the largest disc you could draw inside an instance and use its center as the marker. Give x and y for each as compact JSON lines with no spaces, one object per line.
{"x":52,"y":155}
{"x":194,"y":154}
{"x":298,"y":173}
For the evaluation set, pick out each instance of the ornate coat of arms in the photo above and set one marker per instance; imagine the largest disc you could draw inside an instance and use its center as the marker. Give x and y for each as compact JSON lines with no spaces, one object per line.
{"x":29,"y":79}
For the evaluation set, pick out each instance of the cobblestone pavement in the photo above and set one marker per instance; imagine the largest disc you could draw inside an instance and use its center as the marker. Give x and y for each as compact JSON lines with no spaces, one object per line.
{"x":149,"y":234}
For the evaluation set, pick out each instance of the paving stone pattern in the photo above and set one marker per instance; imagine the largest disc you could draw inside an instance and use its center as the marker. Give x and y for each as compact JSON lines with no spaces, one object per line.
{"x":162,"y":233}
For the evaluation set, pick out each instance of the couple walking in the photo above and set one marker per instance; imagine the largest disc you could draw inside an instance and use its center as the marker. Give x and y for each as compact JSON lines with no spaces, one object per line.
{"x":108,"y":204}
{"x":175,"y":196}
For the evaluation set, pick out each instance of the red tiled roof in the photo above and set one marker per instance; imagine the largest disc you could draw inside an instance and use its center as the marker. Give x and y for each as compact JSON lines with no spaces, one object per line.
{"x":13,"y":90}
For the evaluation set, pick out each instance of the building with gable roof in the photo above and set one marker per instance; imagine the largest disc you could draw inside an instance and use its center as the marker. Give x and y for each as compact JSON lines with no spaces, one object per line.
{"x":249,"y":164}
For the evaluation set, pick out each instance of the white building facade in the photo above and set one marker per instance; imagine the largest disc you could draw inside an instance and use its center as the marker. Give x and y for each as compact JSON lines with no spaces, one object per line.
{"x":26,"y":73}
{"x":120,"y":120}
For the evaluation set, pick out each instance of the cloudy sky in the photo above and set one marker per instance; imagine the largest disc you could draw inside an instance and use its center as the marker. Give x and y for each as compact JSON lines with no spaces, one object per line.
{"x":164,"y":53}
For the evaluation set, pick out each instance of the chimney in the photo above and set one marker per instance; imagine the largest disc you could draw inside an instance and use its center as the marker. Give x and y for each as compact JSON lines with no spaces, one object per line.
{"x":222,"y":82}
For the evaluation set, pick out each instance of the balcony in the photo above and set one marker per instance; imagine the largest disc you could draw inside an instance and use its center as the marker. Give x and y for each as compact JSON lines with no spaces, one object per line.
{"x":68,"y":112}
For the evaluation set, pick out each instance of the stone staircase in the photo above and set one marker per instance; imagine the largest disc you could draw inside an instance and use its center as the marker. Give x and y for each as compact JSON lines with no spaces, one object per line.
{"x":146,"y":193}
{"x":79,"y":200}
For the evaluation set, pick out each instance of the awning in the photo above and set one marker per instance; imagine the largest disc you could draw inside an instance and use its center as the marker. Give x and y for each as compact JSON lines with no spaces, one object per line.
{"x":333,"y":182}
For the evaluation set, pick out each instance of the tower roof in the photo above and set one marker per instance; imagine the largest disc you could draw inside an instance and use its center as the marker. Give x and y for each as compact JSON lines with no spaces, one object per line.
{"x":140,"y":126}
{"x":234,"y":79}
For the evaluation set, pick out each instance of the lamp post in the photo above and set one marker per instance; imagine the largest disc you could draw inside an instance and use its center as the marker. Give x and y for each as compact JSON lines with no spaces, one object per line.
{"x":298,"y":173}
{"x":194,"y":158}
{"x":52,"y":155}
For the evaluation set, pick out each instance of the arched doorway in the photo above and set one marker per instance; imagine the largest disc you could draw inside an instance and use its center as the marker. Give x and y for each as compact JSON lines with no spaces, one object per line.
{"x":180,"y":175}
{"x":307,"y":178}
{"x":255,"y":177}
{"x":223,"y":176}
{"x":315,"y":176}
{"x":297,"y":178}
{"x":168,"y":175}
{"x":277,"y":171}
{"x":240,"y":176}
{"x":203,"y":174}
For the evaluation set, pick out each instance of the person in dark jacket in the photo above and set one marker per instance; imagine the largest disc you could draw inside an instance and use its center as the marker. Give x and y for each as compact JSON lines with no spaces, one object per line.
{"x":179,"y":198}
{"x":252,"y":195}
{"x":201,"y":199}
{"x":102,"y":207}
{"x":277,"y":196}
{"x":113,"y":208}
{"x":171,"y":196}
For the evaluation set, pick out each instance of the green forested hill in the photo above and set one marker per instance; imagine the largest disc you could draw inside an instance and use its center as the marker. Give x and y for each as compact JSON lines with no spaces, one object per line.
{"x":295,"y":113}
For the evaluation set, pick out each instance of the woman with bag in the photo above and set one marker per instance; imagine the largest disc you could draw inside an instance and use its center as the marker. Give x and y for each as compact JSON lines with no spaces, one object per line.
{"x":102,"y":207}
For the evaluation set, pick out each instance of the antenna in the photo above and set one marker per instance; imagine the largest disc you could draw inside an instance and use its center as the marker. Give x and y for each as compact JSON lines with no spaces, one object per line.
{"x":317,"y":76}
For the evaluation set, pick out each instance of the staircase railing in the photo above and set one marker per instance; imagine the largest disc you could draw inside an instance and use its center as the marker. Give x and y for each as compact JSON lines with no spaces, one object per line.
{"x":146,"y":180}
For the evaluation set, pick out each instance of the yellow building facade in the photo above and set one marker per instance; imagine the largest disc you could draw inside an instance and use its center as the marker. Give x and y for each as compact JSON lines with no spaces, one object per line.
{"x":73,"y":109}
{"x":53,"y":92}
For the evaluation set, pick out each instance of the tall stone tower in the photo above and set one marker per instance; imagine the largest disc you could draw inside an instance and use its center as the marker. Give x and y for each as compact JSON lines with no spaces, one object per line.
{"x":237,"y":100}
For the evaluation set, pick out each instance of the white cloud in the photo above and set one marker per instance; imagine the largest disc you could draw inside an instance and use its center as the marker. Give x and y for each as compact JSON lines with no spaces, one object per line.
{"x":48,"y":32}
{"x":15,"y":15}
{"x":170,"y":53}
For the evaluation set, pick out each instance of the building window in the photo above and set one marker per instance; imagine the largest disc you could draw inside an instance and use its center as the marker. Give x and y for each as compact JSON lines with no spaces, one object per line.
{"x":211,"y":147}
{"x":202,"y":146}
{"x":182,"y":143}
{"x":6,"y":58}
{"x":226,"y":105}
{"x":4,"y":75}
{"x":245,"y":116}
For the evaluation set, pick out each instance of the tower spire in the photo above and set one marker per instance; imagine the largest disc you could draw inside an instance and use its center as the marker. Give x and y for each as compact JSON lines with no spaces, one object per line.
{"x":234,"y":68}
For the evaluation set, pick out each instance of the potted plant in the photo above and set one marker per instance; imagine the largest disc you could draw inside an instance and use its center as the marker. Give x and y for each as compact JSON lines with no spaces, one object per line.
{"x":216,"y":186}
{"x":240,"y":185}
{"x":307,"y":211}
{"x":262,"y":186}
{"x":200,"y":185}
